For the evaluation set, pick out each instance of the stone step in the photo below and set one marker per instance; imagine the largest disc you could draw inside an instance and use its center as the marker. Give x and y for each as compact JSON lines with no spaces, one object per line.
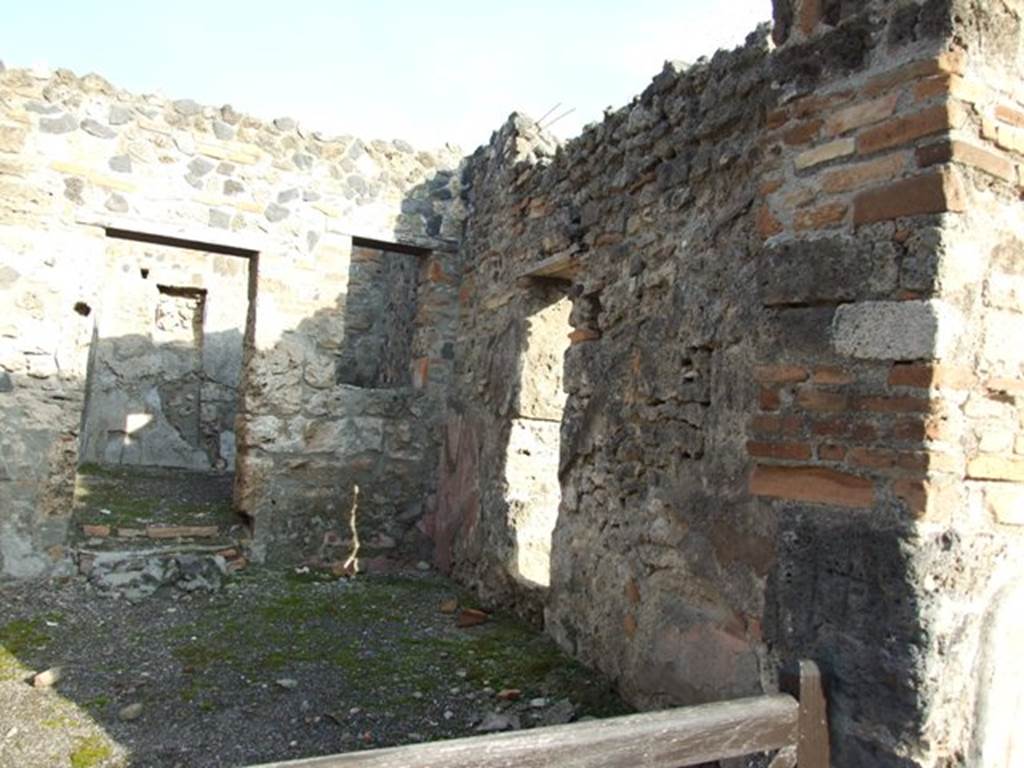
{"x":139,"y":572}
{"x":156,"y":531}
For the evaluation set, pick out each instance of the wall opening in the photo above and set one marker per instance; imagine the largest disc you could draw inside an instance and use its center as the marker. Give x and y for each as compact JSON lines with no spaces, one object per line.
{"x":531,"y":468}
{"x":380,"y":316}
{"x":166,"y":357}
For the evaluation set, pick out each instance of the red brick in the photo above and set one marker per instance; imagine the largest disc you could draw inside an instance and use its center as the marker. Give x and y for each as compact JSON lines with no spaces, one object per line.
{"x":771,"y":424}
{"x":802,"y":133}
{"x":824,"y":217}
{"x":815,"y":485}
{"x":861,"y":115}
{"x":875,"y":458}
{"x":855,"y":176}
{"x":924,"y":376}
{"x":182,"y":531}
{"x":911,"y":375}
{"x":967,"y":154}
{"x":909,"y":430}
{"x":784,"y":451}
{"x":767,"y":224}
{"x":947,"y":63}
{"x":817,"y":400}
{"x":1010,"y":115}
{"x":831,"y":427}
{"x":831,"y":374}
{"x":781,"y":374}
{"x":421,"y":372}
{"x":931,"y":193}
{"x":908,"y":128}
{"x":581,"y":335}
{"x":817,"y":103}
{"x":831,"y":452}
{"x":769,"y":399}
{"x":913,"y":493}
{"x":808,"y":15}
{"x":776,"y":118}
{"x":893,"y":404}
{"x":864,"y":433}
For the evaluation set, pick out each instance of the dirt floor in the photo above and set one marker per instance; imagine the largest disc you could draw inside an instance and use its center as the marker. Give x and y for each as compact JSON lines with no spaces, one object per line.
{"x":277,"y":665}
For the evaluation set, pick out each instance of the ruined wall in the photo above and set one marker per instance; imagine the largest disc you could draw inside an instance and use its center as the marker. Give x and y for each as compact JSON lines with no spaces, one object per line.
{"x":779,"y":264}
{"x":80,"y":159}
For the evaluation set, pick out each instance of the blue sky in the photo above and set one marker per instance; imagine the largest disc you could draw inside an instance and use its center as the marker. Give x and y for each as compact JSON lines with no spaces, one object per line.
{"x":426,"y":72}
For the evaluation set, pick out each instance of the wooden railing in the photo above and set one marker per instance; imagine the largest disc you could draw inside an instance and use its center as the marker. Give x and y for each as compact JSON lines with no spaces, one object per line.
{"x":671,"y":739}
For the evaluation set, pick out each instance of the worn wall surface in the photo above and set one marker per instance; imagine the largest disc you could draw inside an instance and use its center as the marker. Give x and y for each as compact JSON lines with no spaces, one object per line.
{"x":80,"y":161}
{"x":779,"y":262}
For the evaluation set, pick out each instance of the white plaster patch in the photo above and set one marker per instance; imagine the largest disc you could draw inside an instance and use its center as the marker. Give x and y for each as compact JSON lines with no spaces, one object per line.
{"x":896,"y":330}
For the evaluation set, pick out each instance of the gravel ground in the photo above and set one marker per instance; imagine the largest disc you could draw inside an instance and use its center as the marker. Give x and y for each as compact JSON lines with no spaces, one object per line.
{"x":278,"y":665}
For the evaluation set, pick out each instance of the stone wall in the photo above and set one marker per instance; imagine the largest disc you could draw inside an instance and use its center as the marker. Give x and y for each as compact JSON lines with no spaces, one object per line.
{"x":84,"y":165}
{"x":792,"y":282}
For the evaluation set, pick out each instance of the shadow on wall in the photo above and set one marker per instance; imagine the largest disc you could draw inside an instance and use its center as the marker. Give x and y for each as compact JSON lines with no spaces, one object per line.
{"x":349,"y":396}
{"x":526,"y":397}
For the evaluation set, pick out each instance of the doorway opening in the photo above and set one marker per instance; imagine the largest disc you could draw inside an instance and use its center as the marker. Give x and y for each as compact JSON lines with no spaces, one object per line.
{"x":531,"y":468}
{"x":157,"y":441}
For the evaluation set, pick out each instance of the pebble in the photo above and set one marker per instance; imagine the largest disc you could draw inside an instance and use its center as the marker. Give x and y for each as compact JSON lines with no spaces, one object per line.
{"x":48,"y":678}
{"x":131,"y":712}
{"x":538,"y":703}
{"x":498,"y":721}
{"x":287,"y":683}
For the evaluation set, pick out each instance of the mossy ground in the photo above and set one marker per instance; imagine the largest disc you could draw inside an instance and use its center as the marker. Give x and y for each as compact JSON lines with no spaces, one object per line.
{"x":133,"y":497}
{"x":365,"y":663}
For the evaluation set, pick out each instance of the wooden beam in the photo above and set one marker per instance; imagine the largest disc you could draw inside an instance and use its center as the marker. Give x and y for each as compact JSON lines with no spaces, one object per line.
{"x":561,"y":266}
{"x":813,"y":746}
{"x":671,"y":739}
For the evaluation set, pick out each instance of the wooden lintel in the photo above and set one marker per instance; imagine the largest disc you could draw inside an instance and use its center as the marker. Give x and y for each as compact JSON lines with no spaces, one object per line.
{"x":561,"y":266}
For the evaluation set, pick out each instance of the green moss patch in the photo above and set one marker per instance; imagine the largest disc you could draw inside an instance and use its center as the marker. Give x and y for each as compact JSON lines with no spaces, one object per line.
{"x":90,"y":752}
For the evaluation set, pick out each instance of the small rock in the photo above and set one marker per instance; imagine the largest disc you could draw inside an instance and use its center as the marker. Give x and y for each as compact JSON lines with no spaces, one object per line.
{"x":187,"y":107}
{"x":287,"y":683}
{"x":63,"y":124}
{"x":510,"y":694}
{"x":116,"y":203}
{"x":498,"y":721}
{"x":422,"y":565}
{"x":223,"y":131}
{"x":119,"y":115}
{"x":451,"y":605}
{"x":97,"y":129}
{"x":120,"y":163}
{"x":284,"y":124}
{"x":275,"y":212}
{"x":561,"y":713}
{"x":6,"y":385}
{"x":200,"y":166}
{"x":48,"y":678}
{"x":131,"y":712}
{"x":538,"y":703}
{"x":219,"y":219}
{"x":470,"y":617}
